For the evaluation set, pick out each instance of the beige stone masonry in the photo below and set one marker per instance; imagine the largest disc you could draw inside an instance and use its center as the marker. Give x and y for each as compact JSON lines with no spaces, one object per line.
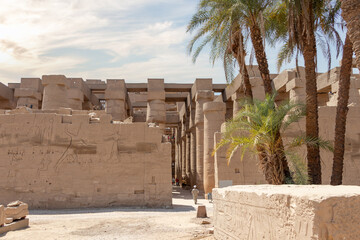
{"x":55,"y":92}
{"x":65,"y":161}
{"x":287,"y":212}
{"x":2,"y":215}
{"x":156,"y":111}
{"x":202,"y":96}
{"x":115,"y":96}
{"x":214,"y":116}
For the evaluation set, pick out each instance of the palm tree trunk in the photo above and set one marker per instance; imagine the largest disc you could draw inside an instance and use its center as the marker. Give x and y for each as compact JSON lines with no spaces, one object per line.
{"x":341,"y":112}
{"x":350,"y":12}
{"x":261,"y":59}
{"x":260,"y":55}
{"x":239,"y":53}
{"x":243,"y":69}
{"x":312,"y":127}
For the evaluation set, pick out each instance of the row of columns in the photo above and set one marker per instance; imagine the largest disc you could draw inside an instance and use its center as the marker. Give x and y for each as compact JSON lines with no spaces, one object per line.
{"x":201,"y":117}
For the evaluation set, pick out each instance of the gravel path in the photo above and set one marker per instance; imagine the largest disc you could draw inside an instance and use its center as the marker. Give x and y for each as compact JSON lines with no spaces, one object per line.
{"x":180,"y":222}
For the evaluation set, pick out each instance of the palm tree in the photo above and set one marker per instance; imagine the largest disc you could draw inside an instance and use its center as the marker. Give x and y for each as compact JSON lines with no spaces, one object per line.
{"x":306,"y":18}
{"x":255,"y":128}
{"x":350,"y":13}
{"x":217,"y":26}
{"x":341,"y":112}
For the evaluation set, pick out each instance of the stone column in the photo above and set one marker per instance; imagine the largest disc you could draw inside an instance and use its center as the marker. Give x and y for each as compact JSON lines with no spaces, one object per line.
{"x":192,"y":145}
{"x":177,"y":155}
{"x":214,"y":116}
{"x":75,"y":98}
{"x":296,"y":89}
{"x":156,"y":112}
{"x":202,"y":96}
{"x":236,"y":98}
{"x":55,"y":92}
{"x":115,"y":96}
{"x":188,"y":166}
{"x":30,"y":93}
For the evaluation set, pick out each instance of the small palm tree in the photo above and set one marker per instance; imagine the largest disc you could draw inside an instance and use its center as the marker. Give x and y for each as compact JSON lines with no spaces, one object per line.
{"x":255,"y":128}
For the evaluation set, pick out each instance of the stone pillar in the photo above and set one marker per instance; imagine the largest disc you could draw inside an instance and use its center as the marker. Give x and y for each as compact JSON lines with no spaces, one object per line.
{"x":156,"y":112}
{"x":296,"y":89}
{"x":115,"y":96}
{"x":236,"y":98}
{"x":55,"y":92}
{"x":214,"y":116}
{"x":177,"y":155}
{"x":202,"y":96}
{"x":183,"y":157}
{"x":30,"y":93}
{"x":75,"y":98}
{"x":188,"y":166}
{"x":192,"y":145}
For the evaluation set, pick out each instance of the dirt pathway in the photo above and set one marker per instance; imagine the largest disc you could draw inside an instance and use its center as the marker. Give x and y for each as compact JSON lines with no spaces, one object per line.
{"x":119,"y":223}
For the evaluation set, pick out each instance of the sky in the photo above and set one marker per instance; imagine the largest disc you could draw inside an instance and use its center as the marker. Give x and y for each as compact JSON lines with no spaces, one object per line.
{"x":105,"y":39}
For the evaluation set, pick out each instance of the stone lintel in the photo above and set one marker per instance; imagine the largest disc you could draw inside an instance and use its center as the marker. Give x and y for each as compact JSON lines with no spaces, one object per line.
{"x":295,"y":83}
{"x":55,"y":79}
{"x":214,"y":106}
{"x":27,"y":93}
{"x":156,"y":95}
{"x":201,"y":84}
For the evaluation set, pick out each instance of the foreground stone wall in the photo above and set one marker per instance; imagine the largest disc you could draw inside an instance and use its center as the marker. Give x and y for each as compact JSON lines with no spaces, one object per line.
{"x":287,"y":212}
{"x":54,"y":160}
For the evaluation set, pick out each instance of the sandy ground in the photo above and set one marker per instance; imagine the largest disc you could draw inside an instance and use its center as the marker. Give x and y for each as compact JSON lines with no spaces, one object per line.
{"x":120,"y":223}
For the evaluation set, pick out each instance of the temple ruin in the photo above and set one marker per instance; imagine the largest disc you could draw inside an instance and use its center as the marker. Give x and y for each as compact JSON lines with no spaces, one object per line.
{"x":68,"y":142}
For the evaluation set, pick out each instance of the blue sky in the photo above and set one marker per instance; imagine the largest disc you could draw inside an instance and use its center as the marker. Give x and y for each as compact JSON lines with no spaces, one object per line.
{"x":108,"y":39}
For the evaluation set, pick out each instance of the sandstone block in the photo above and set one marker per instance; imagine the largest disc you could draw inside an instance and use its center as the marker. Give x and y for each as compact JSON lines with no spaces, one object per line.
{"x":201,"y":212}
{"x":115,"y":94}
{"x":287,"y":212}
{"x":158,"y":95}
{"x":2,"y":215}
{"x":24,"y":223}
{"x":55,"y":79}
{"x":65,"y":111}
{"x":155,"y":85}
{"x":16,"y":212}
{"x":75,"y":93}
{"x":27,"y":92}
{"x":32,"y":83}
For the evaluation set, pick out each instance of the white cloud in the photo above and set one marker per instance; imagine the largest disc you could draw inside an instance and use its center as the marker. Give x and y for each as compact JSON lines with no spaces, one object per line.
{"x":30,"y":30}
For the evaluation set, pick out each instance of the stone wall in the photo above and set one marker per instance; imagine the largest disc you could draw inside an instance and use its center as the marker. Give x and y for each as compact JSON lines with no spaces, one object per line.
{"x":54,"y":160}
{"x":287,"y":212}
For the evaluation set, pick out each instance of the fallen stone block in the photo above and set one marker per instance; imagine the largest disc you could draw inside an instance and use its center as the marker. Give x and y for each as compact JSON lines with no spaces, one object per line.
{"x":16,"y":210}
{"x":17,"y":225}
{"x":2,"y":215}
{"x":201,"y":212}
{"x":287,"y":212}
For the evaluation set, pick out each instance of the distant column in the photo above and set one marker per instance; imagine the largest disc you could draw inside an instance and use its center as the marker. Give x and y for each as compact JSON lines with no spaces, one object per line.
{"x":55,"y":92}
{"x":188,"y":166}
{"x":296,"y":89}
{"x":156,"y":112}
{"x":115,"y":96}
{"x":202,"y":96}
{"x":192,"y":145}
{"x":236,"y":104}
{"x":75,"y":98}
{"x":30,"y":93}
{"x":214,"y":116}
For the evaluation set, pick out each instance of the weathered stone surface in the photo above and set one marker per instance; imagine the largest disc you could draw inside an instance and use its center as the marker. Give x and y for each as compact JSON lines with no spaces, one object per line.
{"x":214,"y":116}
{"x":16,"y":211}
{"x":50,"y":164}
{"x":201,"y":211}
{"x":21,"y":224}
{"x":2,"y":215}
{"x":287,"y":212}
